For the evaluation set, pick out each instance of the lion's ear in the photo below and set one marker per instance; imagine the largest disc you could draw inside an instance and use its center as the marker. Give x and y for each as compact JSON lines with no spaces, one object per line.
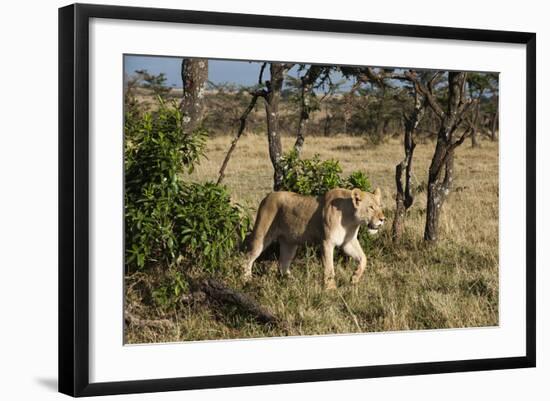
{"x":356,"y":196}
{"x":378,"y":195}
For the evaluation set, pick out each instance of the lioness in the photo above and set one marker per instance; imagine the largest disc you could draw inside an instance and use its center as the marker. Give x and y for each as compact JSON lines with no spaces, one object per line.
{"x":332,"y":220}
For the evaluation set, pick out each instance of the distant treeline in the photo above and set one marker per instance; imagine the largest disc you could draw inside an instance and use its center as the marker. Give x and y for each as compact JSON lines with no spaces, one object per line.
{"x":370,"y":111}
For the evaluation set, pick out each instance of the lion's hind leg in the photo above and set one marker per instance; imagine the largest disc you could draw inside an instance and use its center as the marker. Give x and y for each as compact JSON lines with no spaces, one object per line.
{"x":287,"y":252}
{"x":257,"y":246}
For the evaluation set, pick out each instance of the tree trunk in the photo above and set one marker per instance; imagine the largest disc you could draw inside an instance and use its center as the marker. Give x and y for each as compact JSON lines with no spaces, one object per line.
{"x":348,"y":106}
{"x":475,"y":142}
{"x":272,"y":99}
{"x":327,"y":124}
{"x":346,"y":117}
{"x":308,"y":80}
{"x":433,"y":207}
{"x":475,"y":125}
{"x":386,"y":127}
{"x":437,"y":195}
{"x":194,"y":74}
{"x":404,"y":198}
{"x":438,"y":189}
{"x":434,"y":201}
{"x":443,"y":158}
{"x":434,"y":126}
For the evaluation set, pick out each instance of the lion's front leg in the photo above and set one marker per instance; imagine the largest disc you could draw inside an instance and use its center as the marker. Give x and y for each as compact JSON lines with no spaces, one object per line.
{"x":328,"y":264}
{"x":354,"y":250}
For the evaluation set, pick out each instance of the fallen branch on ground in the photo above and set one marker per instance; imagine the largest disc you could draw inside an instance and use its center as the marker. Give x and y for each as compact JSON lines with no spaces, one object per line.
{"x":133,"y":320}
{"x":220,"y":292}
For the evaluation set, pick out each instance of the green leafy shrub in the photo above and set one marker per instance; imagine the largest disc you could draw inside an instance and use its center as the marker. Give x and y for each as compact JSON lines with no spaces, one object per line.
{"x":316,"y":177}
{"x":166,"y":218}
{"x":310,"y":176}
{"x":358,"y":179}
{"x":209,"y":227}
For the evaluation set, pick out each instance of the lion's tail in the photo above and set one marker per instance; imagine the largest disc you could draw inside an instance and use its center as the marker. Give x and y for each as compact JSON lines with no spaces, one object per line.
{"x":263,"y":232}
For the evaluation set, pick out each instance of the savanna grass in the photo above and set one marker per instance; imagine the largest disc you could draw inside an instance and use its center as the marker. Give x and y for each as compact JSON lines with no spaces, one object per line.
{"x":406,"y":286}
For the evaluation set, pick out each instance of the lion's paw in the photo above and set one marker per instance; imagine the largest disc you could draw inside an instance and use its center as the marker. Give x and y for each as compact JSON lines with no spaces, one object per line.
{"x":330,"y":284}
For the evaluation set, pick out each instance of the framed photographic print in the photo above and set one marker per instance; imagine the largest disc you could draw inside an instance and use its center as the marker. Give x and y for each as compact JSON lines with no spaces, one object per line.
{"x":251,"y":199}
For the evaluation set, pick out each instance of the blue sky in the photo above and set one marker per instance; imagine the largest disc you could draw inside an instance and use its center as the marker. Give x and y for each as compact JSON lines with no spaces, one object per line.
{"x":219,"y":71}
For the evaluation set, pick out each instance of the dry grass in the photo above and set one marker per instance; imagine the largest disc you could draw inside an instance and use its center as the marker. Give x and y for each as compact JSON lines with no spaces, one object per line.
{"x":406,"y":286}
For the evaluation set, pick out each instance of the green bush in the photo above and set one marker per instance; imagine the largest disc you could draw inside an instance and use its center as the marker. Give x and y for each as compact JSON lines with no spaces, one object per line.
{"x":316,"y":177}
{"x":209,"y":227}
{"x":166,"y":218}
{"x":358,"y":179}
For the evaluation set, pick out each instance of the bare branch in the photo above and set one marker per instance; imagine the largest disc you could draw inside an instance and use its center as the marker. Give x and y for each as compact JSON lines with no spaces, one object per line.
{"x":463,"y":113}
{"x":308,"y":81}
{"x":420,"y":87}
{"x":432,"y":80}
{"x":242,"y":126}
{"x":260,"y":77}
{"x":465,"y":107}
{"x":219,"y":292}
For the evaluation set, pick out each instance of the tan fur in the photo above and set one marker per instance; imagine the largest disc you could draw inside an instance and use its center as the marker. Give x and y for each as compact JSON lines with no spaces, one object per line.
{"x":329,"y":220}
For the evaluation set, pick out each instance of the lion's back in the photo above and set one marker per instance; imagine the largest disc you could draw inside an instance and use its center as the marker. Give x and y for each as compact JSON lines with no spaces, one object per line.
{"x":294,"y":217}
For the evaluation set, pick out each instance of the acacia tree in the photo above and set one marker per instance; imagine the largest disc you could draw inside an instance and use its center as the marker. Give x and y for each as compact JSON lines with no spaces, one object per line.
{"x":377,"y":77}
{"x":404,"y":197}
{"x":272,"y":97}
{"x":155,"y":83}
{"x":307,"y":96}
{"x":494,"y":90}
{"x":379,"y":107}
{"x":348,"y":100}
{"x":194,"y":74}
{"x":450,"y":109}
{"x":441,"y":171}
{"x":477,"y":85}
{"x":242,"y":126}
{"x":256,"y":93}
{"x":270,"y":91}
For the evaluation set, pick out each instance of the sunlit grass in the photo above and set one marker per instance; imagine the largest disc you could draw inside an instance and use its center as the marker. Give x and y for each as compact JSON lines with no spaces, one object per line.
{"x":407,"y":286}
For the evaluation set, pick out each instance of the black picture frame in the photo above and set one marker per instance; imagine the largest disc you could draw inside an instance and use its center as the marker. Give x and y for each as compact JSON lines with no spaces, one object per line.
{"x":74,"y":192}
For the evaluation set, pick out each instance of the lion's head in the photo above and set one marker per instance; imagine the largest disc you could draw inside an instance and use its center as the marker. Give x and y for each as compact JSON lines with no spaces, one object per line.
{"x":368,"y":208}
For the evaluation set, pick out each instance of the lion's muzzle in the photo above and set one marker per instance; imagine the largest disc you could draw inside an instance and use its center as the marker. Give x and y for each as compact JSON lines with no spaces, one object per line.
{"x":374,"y":226}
